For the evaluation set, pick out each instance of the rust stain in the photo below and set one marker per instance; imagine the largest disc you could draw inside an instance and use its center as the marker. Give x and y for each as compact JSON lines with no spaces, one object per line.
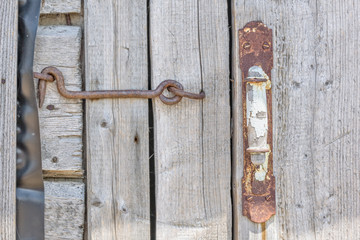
{"x":68,"y":19}
{"x":258,"y":197}
{"x":263,"y":231}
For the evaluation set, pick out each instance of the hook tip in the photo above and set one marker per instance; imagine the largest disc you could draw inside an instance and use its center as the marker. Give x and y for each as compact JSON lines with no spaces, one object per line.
{"x":41,"y":92}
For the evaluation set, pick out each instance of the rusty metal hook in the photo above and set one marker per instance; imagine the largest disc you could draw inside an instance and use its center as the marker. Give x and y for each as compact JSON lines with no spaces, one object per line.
{"x":52,"y":73}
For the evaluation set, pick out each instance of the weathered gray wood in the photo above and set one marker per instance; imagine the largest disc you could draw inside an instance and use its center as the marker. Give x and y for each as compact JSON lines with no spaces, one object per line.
{"x":61,"y":133}
{"x":60,"y":6}
{"x":8,"y":63}
{"x":117,"y":130}
{"x":189,"y":43}
{"x":336,"y":126}
{"x":61,"y":119}
{"x":293,"y":85}
{"x":64,"y":210}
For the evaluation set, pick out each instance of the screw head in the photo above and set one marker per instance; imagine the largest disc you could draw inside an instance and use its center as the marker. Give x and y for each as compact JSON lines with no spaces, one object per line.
{"x":249,"y":198}
{"x":246,"y":46}
{"x":50,"y":107}
{"x":266,"y":45}
{"x":267,"y":198}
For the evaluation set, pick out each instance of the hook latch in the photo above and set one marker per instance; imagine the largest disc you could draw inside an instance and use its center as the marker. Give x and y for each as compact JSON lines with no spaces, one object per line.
{"x":51,"y":73}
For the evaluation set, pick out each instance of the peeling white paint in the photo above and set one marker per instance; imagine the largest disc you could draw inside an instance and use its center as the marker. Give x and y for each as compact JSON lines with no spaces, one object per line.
{"x":256,"y":109}
{"x":261,"y":171}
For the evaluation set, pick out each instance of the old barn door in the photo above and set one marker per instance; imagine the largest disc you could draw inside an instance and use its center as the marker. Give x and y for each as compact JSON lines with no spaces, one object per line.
{"x":141,"y":169}
{"x":165,"y":171}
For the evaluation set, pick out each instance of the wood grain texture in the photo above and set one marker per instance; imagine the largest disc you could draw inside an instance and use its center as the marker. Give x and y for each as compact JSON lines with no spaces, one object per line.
{"x":189,"y":43}
{"x":336,"y":130}
{"x":60,"y":6}
{"x":117,"y":129}
{"x":61,"y":119}
{"x":64,"y":210}
{"x":8,"y":73}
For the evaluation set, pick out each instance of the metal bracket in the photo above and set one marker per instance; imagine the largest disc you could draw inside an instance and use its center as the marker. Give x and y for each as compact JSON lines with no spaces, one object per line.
{"x":256,"y":62}
{"x":49,"y":74}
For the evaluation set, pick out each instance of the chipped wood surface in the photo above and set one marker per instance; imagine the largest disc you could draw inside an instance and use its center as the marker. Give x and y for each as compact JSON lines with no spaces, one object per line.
{"x":60,"y":6}
{"x":189,"y":43}
{"x":64,"y":210}
{"x":315,"y":115}
{"x":118,"y":201}
{"x":61,"y":122}
{"x":8,"y":73}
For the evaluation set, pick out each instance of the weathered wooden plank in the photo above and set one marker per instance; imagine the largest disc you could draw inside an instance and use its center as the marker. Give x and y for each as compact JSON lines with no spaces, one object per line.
{"x":64,"y":210}
{"x":189,"y":43}
{"x":60,"y":6}
{"x":61,"y":121}
{"x":117,"y":130}
{"x":293,"y":81}
{"x":8,"y":63}
{"x":336,"y":130}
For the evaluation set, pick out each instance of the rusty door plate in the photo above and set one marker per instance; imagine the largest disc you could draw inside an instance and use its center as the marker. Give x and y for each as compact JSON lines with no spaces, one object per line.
{"x":256,"y":62}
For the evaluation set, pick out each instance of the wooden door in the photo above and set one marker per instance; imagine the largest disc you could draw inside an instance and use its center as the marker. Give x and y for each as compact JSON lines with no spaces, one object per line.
{"x":139,"y":169}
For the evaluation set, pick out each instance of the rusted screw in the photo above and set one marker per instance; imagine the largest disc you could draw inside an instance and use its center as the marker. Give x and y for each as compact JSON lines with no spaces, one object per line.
{"x":50,"y":107}
{"x":249,"y":198}
{"x":267,"y":198}
{"x":266,"y":45}
{"x":246,"y":46}
{"x":54,"y":159}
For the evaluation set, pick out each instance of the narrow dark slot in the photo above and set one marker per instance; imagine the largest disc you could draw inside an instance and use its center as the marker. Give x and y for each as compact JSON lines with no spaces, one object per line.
{"x":231,"y":113}
{"x":151,"y":140}
{"x":152,"y":174}
{"x":84,"y":133}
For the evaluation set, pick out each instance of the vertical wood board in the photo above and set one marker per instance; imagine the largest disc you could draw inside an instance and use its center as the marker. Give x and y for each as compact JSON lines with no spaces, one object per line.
{"x":61,"y":119}
{"x":189,"y":43}
{"x":117,"y":129}
{"x":8,"y":74}
{"x":336,"y":129}
{"x":61,"y":133}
